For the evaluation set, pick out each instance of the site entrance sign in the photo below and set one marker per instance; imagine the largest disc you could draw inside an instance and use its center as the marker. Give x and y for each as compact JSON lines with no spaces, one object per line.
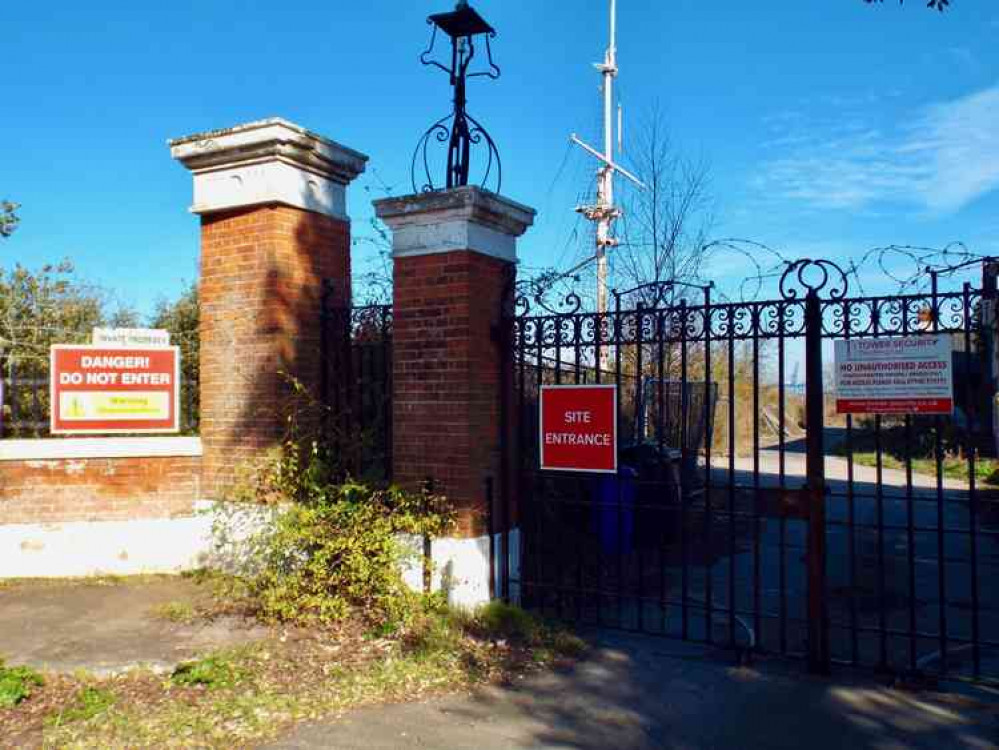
{"x":114,"y":390}
{"x":899,"y":375}
{"x":579,"y":428}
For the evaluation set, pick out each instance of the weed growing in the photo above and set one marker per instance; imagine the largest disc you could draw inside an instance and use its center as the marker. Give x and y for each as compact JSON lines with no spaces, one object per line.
{"x":17,"y":684}
{"x":89,"y":702}
{"x":212,"y":672}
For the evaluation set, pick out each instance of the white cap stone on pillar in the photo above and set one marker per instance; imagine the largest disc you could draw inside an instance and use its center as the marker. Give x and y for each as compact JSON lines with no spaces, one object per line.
{"x":268,"y":161}
{"x":463,"y":218}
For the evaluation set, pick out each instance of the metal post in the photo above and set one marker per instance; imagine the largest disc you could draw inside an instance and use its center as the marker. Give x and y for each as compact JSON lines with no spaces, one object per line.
{"x":491,"y":527}
{"x":428,"y":544}
{"x":508,"y":442}
{"x":990,"y":322}
{"x":324,"y":366}
{"x":818,"y":626}
{"x":509,"y":433}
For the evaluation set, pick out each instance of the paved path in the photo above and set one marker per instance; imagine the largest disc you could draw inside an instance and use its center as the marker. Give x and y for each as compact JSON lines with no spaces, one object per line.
{"x":644,"y":693}
{"x":106,"y":627}
{"x":837,"y":469}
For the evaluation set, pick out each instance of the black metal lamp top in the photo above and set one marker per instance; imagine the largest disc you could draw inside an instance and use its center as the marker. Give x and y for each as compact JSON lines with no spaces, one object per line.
{"x":458,"y":129}
{"x":463,"y":21}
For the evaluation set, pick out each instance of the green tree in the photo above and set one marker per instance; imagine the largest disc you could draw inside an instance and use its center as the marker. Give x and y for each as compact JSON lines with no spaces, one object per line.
{"x":44,"y":307}
{"x":8,"y":218}
{"x":38,"y":309}
{"x":181,"y":318}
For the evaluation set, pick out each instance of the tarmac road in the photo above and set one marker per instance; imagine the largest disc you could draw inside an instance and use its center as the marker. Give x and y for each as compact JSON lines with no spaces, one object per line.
{"x":646,"y":693}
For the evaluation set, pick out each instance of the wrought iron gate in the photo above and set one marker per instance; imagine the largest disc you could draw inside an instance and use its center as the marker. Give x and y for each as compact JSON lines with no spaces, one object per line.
{"x":355,"y":387}
{"x":746,"y":513}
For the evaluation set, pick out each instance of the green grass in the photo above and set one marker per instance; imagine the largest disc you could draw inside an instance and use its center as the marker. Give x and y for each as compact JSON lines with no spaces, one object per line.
{"x":212,"y":672}
{"x":952,"y":467}
{"x":16,"y":684}
{"x":505,"y":621}
{"x":89,"y":702}
{"x":253,"y":692}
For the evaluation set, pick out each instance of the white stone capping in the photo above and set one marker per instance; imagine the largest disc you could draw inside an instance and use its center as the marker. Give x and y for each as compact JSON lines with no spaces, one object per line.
{"x":112,"y":447}
{"x":465,"y":218}
{"x":268,"y":161}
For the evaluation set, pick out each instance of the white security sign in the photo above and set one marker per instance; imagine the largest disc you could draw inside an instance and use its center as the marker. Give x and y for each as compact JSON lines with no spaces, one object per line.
{"x":141,"y":337}
{"x":900,"y":375}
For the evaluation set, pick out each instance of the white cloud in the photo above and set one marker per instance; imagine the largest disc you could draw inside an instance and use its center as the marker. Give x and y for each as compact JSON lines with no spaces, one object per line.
{"x":943,"y":158}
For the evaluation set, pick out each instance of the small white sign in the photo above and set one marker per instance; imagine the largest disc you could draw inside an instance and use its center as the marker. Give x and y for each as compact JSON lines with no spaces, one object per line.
{"x":899,"y":375}
{"x":143,"y":337}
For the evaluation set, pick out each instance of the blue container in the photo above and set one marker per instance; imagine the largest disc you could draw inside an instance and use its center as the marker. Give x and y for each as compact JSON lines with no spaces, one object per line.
{"x":614,"y":511}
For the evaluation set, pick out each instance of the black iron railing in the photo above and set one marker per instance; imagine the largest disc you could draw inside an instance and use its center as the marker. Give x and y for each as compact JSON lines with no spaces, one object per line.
{"x":25,"y":404}
{"x":356,"y":387}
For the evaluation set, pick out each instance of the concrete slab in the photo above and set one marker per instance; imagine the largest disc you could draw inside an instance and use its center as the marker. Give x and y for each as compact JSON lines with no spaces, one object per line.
{"x":643,"y":693}
{"x":107,"y":627}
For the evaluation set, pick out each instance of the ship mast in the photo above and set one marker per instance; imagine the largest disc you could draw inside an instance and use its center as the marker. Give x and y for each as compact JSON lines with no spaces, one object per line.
{"x":603,"y":212}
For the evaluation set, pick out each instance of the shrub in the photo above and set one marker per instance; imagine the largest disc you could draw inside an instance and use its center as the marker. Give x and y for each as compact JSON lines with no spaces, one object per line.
{"x":16,"y":684}
{"x":343,"y":552}
{"x":324,"y":546}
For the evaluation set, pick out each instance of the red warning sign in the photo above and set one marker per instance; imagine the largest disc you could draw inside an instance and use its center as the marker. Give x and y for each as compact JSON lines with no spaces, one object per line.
{"x":579,"y":428}
{"x":106,"y":390}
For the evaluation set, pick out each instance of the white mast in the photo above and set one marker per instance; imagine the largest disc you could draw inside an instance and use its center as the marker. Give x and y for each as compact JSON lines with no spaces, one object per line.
{"x":605,"y":197}
{"x":604,"y":212}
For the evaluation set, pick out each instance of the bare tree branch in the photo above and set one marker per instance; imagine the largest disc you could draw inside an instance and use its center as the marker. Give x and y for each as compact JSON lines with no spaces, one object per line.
{"x":665,"y":227}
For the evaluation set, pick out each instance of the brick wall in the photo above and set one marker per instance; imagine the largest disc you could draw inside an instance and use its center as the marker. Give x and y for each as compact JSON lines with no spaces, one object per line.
{"x":446,"y":370}
{"x":261,"y":274}
{"x":98,"y":489}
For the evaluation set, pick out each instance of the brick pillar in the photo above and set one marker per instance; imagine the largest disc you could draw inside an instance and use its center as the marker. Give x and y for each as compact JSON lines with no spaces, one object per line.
{"x":454,"y":254}
{"x":272,"y":201}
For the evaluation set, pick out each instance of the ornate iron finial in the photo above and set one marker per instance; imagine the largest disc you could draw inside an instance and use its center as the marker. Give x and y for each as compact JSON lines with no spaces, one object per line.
{"x":813,"y":276}
{"x":458,"y":129}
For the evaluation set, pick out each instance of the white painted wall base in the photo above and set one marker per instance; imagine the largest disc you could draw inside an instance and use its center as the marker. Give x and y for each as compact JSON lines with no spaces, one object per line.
{"x":460,"y":568}
{"x":172,"y":545}
{"x":160,"y":545}
{"x":86,"y":548}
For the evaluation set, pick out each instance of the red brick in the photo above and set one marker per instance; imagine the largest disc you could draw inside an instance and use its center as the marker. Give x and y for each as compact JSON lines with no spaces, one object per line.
{"x":261,"y":275}
{"x":446,"y":364}
{"x":98,"y":489}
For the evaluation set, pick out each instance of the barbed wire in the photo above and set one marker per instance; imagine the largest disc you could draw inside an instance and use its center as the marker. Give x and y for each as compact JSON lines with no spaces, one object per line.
{"x":908,"y":269}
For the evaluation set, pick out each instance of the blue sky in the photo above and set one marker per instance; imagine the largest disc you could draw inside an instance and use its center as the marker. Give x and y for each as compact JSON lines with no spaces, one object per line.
{"x":830,"y":126}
